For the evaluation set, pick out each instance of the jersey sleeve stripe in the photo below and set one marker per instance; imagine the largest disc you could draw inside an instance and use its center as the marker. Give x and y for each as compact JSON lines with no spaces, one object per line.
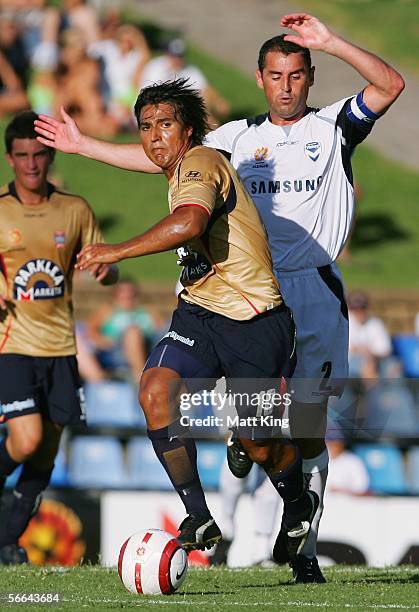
{"x":196,"y":205}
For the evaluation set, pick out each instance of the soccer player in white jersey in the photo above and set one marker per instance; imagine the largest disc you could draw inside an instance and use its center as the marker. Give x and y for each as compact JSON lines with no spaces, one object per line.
{"x":295,"y":162}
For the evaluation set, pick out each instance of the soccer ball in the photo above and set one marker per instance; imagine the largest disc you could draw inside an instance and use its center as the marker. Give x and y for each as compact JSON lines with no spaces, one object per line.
{"x":152,"y":562}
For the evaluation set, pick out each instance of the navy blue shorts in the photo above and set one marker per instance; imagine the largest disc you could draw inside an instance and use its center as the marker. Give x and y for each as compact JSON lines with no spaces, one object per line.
{"x":201,"y":344}
{"x":47,"y":385}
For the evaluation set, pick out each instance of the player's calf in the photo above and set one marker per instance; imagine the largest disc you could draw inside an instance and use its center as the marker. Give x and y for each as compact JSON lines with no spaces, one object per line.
{"x":283,"y":464}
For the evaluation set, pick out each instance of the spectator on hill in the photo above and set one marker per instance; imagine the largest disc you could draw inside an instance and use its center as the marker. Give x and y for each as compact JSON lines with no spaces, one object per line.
{"x":369,"y":340}
{"x":122,"y":332}
{"x":12,"y":47}
{"x":77,"y":87}
{"x":39,"y":26}
{"x":12,"y":94}
{"x":173,"y":65}
{"x":111,"y":19}
{"x":79,"y":15}
{"x":124,"y":58}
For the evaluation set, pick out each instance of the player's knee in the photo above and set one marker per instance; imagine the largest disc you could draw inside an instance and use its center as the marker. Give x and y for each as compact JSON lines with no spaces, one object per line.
{"x":152,"y":397}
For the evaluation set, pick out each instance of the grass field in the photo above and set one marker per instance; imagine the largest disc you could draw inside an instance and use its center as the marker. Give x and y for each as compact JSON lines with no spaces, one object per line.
{"x":98,"y":588}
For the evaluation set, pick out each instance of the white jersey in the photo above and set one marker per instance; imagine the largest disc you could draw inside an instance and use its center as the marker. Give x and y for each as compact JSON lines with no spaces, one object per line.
{"x":300,"y":178}
{"x":120,"y":68}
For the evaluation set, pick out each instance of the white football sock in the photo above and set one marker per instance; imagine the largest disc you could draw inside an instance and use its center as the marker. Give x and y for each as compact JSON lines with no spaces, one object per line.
{"x":265,"y":509}
{"x":316,"y":470}
{"x":230,"y":490}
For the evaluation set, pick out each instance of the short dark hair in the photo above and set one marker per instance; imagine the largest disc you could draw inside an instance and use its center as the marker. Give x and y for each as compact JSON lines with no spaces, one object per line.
{"x":279,"y":45}
{"x":187,"y":103}
{"x":21,"y":126}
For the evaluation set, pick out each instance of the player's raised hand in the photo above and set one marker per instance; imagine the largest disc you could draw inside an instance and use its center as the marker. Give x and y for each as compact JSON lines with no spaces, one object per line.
{"x":62,"y":135}
{"x":94,"y":254}
{"x":312,"y":33}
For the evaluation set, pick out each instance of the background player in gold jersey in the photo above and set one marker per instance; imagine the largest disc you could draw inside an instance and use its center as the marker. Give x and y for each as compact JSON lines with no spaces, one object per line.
{"x":41,"y":230}
{"x":230,"y":320}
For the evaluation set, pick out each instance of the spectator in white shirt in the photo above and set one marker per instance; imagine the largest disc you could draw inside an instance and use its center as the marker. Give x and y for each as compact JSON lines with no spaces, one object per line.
{"x":124,"y":59}
{"x":369,"y":340}
{"x":347,"y":472}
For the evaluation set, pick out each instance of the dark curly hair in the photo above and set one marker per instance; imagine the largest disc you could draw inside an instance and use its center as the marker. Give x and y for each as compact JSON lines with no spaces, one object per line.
{"x":279,"y":45}
{"x":21,"y":126}
{"x":188,"y":105}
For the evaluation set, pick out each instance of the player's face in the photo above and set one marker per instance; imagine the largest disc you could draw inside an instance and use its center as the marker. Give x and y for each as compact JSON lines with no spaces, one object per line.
{"x":164,"y":137}
{"x":30,"y":161}
{"x":285,"y":80}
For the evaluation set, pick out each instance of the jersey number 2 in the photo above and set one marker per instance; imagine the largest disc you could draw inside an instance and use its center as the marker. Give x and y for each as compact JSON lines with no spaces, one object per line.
{"x":327,"y":369}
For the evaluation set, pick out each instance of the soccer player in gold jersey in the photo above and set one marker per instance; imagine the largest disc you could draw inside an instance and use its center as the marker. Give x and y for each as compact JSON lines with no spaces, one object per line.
{"x":41,"y":230}
{"x":230,"y":321}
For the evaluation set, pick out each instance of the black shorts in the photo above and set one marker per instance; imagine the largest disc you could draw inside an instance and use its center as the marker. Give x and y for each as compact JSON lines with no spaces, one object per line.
{"x":253,"y":355}
{"x":47,"y":385}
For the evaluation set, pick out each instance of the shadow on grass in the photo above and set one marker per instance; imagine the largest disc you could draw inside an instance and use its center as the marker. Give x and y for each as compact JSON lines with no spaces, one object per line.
{"x":108,"y":221}
{"x":240,"y":587}
{"x":375,"y":229}
{"x":389,"y":579}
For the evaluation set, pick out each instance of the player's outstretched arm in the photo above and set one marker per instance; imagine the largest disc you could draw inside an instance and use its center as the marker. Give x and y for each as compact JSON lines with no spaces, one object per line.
{"x":66,"y":137}
{"x":385,"y":83}
{"x":184,"y":224}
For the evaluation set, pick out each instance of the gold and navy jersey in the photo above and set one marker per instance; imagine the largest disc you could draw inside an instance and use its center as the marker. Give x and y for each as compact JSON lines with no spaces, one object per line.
{"x":228,"y":269}
{"x":38,"y":247}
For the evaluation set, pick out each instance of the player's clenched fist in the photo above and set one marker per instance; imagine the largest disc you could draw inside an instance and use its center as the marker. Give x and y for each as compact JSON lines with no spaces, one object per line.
{"x":94,"y":254}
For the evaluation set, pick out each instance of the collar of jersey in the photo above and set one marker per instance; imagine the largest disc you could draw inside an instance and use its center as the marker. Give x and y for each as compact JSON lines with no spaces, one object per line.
{"x":268,"y":122}
{"x":12,"y":190}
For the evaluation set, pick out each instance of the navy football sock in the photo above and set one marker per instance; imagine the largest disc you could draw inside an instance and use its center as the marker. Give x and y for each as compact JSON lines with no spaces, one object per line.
{"x":178,"y":457}
{"x":289,"y":483}
{"x":26,"y":501}
{"x":7,"y":464}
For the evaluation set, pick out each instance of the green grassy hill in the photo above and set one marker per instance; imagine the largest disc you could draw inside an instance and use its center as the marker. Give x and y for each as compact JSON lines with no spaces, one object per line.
{"x":389,"y":27}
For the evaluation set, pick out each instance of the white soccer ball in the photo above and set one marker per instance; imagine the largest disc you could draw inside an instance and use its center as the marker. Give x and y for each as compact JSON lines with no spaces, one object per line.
{"x":152,"y":562}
